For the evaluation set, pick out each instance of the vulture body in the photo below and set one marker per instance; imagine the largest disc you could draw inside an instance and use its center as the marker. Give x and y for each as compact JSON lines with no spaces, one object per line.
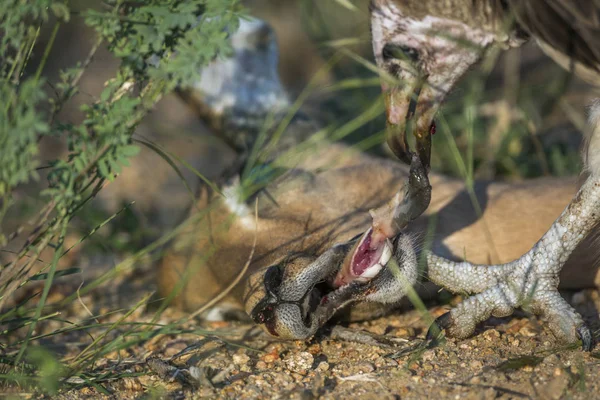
{"x":422,"y":48}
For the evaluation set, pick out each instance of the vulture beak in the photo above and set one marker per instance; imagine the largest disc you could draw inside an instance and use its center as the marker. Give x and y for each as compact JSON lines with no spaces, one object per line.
{"x":410,"y":107}
{"x":420,"y":60}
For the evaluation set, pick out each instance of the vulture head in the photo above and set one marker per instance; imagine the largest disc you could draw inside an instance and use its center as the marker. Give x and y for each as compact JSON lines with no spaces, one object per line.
{"x":422,"y":48}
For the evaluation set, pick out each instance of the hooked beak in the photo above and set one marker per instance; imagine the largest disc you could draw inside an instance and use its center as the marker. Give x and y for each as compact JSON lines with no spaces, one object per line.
{"x":410,"y":109}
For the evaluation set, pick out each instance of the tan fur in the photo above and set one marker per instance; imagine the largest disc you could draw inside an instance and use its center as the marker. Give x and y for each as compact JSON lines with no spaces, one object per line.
{"x":326,"y":199}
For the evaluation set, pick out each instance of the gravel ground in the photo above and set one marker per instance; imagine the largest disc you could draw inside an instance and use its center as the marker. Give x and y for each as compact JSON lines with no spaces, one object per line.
{"x":507,"y":358}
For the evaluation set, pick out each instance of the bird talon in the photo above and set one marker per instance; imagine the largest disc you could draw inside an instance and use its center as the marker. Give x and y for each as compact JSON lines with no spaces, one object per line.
{"x":435,"y":331}
{"x":587,"y":341}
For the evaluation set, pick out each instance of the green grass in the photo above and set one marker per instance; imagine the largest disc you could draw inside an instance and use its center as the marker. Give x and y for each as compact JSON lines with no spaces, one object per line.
{"x":469,"y":145}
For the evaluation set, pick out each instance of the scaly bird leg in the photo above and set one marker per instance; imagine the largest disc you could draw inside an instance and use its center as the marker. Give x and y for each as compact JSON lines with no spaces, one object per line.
{"x":531,"y":282}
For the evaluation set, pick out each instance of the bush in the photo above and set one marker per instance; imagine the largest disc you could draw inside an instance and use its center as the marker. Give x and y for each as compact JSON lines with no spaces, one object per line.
{"x":160,"y":45}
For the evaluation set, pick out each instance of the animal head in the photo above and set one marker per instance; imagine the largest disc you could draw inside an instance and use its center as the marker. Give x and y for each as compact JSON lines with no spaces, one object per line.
{"x":294,"y":298}
{"x":423,"y":47}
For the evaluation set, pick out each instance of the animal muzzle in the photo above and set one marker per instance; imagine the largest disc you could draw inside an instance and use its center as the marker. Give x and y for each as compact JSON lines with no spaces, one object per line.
{"x":293,"y":299}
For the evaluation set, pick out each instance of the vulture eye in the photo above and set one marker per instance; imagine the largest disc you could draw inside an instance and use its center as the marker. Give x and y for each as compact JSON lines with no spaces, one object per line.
{"x":398,"y":52}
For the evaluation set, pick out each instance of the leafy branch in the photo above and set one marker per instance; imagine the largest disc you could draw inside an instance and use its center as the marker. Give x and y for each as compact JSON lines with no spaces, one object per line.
{"x":161,"y":44}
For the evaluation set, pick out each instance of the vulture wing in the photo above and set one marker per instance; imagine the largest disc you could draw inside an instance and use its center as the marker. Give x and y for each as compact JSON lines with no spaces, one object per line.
{"x":571,"y":27}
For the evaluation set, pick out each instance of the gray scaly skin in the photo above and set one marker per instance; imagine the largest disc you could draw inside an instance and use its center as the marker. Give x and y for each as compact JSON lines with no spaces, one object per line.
{"x":531,"y":282}
{"x":420,"y":48}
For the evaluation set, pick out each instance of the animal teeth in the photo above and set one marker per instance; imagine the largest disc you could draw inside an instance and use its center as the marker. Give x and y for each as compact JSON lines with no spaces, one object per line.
{"x":373,"y":270}
{"x":370,"y":272}
{"x":387,"y":253}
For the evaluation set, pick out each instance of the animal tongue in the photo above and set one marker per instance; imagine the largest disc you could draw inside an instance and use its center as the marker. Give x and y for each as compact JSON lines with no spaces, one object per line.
{"x":365,"y":256}
{"x":359,"y":262}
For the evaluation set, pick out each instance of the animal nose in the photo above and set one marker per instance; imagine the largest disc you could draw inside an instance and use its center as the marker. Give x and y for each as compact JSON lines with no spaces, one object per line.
{"x":264,"y":315}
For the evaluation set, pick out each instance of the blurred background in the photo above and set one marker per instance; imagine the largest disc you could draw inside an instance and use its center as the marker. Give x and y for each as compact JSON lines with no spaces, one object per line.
{"x":516,"y":116}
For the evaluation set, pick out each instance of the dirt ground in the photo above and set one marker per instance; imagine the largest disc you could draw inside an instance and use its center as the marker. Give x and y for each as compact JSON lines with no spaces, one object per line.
{"x":507,"y":358}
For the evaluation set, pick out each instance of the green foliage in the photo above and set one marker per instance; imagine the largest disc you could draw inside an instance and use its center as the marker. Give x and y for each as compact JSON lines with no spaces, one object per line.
{"x":161,"y":44}
{"x":20,"y":126}
{"x":21,"y":122}
{"x":19,"y":24}
{"x":49,"y":369}
{"x":162,"y":27}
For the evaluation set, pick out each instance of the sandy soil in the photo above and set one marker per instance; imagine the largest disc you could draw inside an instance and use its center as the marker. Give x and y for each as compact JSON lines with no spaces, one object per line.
{"x":507,"y":358}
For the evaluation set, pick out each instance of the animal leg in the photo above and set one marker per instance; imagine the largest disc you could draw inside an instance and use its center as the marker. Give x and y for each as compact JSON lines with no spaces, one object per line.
{"x":531,"y":282}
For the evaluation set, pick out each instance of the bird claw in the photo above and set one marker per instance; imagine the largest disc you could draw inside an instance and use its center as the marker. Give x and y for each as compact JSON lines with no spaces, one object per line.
{"x":587,"y":340}
{"x":435,"y":331}
{"x":502,"y":289}
{"x":531,"y":282}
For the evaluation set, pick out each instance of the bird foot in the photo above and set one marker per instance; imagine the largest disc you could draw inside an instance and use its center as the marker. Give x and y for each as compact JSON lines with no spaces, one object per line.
{"x":565,"y":323}
{"x":530,"y":283}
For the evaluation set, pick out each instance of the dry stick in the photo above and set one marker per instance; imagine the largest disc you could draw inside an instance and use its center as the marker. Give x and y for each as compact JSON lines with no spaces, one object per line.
{"x":237,"y":280}
{"x":84,"y":306}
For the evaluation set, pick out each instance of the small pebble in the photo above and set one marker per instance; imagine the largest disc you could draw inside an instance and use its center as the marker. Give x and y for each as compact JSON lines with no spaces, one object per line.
{"x":271,"y":357}
{"x":491,"y":335}
{"x":552,"y":359}
{"x":476,"y":364}
{"x":299,"y":362}
{"x":261,"y":365}
{"x":240,"y":359}
{"x":527,"y":331}
{"x":323,"y":366}
{"x":404,"y":332}
{"x":315,"y":349}
{"x":428,"y":355}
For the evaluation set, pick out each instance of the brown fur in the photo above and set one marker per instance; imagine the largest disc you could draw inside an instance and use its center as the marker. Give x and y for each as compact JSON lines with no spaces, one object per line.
{"x":325,"y":200}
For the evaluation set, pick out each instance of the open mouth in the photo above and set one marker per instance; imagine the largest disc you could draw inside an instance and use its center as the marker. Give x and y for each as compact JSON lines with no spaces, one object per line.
{"x":364,"y":261}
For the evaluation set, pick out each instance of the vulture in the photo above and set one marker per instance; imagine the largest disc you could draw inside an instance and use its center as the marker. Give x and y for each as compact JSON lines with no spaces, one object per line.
{"x":422,"y":48}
